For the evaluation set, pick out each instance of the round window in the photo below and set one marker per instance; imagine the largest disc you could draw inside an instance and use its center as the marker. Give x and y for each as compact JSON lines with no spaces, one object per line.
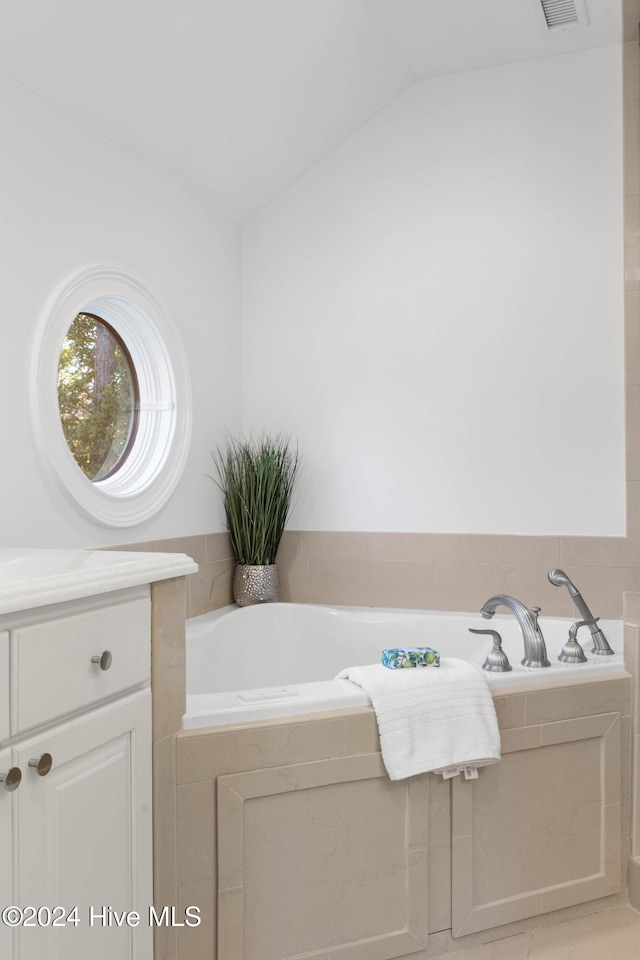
{"x":111,"y":397}
{"x":97,"y":396}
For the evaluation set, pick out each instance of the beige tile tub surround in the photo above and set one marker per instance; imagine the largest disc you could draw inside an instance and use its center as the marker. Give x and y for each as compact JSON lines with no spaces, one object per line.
{"x":424,"y":571}
{"x":632,"y":664}
{"x":168,"y":705}
{"x":288,"y":798}
{"x":630,"y":19}
{"x":211,"y":587}
{"x":631,"y":105}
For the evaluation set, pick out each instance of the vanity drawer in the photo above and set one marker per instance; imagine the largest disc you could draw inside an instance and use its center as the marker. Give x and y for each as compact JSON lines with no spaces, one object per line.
{"x":55,"y":672}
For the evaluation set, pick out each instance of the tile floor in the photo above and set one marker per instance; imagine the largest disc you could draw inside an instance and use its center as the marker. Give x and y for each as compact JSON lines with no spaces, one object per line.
{"x":610,"y":935}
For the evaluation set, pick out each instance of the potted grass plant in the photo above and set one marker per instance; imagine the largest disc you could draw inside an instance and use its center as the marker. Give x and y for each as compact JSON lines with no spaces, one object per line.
{"x":257,"y":480}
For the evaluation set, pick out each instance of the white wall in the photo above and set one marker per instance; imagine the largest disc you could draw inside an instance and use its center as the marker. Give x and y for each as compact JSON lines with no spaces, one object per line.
{"x":435,"y":310}
{"x":71,"y":199}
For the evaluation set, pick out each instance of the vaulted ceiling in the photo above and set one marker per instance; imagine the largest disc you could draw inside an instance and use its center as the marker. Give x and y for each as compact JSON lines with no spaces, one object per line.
{"x":235,"y":99}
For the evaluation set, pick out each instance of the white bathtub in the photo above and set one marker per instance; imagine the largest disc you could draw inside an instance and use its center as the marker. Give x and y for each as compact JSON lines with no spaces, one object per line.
{"x":279,"y":659}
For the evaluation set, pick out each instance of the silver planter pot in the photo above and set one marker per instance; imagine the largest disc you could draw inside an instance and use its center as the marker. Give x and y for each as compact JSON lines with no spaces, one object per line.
{"x":255,"y":584}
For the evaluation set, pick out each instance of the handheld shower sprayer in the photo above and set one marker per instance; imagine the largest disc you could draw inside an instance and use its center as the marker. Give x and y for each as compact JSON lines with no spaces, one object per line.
{"x":600,"y":645}
{"x":559,"y":579}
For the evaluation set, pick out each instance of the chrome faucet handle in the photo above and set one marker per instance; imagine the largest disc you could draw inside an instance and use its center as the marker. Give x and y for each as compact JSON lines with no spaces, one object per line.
{"x":497,"y":660}
{"x":601,"y":646}
{"x":493,"y":633}
{"x":573,"y":629}
{"x":536,"y":611}
{"x":572,"y":652}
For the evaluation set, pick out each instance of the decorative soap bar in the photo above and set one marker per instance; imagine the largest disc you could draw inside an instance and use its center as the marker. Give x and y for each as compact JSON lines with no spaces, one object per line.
{"x":397,"y":657}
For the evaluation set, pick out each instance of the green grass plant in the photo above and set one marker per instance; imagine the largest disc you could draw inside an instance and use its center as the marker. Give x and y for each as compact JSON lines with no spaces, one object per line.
{"x":257,"y":479}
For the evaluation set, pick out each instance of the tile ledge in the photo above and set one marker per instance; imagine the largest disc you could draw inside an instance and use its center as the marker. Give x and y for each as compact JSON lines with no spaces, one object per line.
{"x":542,"y":686}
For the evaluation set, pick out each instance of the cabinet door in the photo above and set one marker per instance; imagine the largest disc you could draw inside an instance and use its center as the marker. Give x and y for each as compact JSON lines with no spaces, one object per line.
{"x":84,"y":834}
{"x":539,"y":831}
{"x":6,"y":846}
{"x":293,"y":843}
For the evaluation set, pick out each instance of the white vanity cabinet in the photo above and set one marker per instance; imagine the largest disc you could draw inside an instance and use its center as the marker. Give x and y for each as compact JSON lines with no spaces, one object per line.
{"x":77,"y":828}
{"x":4,"y":685}
{"x":6,"y":804}
{"x":6,"y":843}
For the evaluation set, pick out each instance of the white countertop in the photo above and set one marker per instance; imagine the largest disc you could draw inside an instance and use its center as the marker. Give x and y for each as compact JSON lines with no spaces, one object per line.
{"x":34,"y":578}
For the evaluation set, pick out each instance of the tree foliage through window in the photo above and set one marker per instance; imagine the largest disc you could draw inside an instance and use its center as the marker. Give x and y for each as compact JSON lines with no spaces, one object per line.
{"x":96,"y":396}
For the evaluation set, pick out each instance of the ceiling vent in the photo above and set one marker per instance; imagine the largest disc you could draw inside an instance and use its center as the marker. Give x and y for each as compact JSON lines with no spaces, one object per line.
{"x":561,"y":14}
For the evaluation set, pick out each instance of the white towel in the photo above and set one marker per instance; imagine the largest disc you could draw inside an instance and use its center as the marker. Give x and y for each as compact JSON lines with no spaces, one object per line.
{"x":430,"y":718}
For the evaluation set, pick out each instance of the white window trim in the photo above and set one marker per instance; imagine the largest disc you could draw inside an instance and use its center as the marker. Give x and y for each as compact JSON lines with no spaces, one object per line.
{"x":152,"y":470}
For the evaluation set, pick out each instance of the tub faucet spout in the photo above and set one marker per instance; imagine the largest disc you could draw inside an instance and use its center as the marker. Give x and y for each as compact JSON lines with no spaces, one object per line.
{"x":535,"y":651}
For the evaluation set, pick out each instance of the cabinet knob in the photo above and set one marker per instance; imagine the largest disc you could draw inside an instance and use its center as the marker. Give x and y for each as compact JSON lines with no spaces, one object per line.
{"x":104,"y":660}
{"x":42,"y":764}
{"x":11,"y":779}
